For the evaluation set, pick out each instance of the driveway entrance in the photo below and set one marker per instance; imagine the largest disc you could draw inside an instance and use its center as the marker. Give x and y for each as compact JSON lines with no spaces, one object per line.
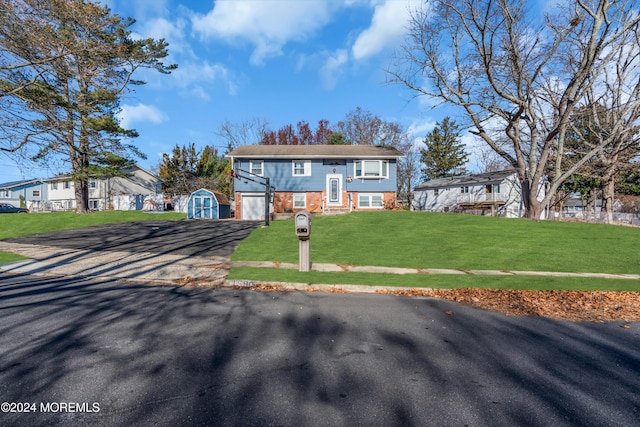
{"x":147,"y":251}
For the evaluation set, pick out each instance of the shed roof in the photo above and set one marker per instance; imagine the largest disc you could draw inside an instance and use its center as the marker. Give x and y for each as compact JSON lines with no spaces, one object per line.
{"x":220,"y":197}
{"x":475,"y":179}
{"x":315,"y":151}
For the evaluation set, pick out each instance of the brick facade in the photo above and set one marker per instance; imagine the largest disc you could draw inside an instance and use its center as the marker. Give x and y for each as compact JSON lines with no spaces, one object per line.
{"x":283,"y":202}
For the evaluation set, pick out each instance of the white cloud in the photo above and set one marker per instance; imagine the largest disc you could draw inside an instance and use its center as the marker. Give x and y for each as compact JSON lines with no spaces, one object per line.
{"x":140,"y":113}
{"x":194,"y":76}
{"x":388,"y":27}
{"x":267,"y":24}
{"x":172,"y":32}
{"x":331,"y":69}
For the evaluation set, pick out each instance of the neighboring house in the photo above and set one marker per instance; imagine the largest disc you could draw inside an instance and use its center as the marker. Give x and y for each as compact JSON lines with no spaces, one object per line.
{"x":31,"y":190}
{"x":493,"y":193}
{"x":317,"y":178}
{"x":577,"y":205}
{"x":103,"y":190}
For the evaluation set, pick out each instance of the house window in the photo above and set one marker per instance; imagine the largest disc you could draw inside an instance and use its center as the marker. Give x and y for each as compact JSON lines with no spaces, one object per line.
{"x":436,"y":191}
{"x":301,"y":167}
{"x":464,"y":189}
{"x":256,"y":167}
{"x":299,"y":201}
{"x":54,"y":185}
{"x":36,"y":193}
{"x":93,"y":205}
{"x":66,"y":185}
{"x":4,"y":194}
{"x":371,"y":169}
{"x":370,"y":200}
{"x":93,"y":183}
{"x":495,"y":188}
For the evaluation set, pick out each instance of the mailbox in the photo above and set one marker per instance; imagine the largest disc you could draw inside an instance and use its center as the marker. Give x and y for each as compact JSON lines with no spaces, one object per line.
{"x":303,"y":225}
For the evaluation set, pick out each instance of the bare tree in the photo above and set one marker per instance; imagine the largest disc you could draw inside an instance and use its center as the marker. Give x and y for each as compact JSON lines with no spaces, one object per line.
{"x":612,"y":115}
{"x":248,"y":132}
{"x":515,"y":76}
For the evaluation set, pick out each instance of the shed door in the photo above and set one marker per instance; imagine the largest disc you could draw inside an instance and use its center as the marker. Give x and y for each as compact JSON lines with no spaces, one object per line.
{"x":207,"y":210}
{"x":197,"y":207}
{"x":252,"y":207}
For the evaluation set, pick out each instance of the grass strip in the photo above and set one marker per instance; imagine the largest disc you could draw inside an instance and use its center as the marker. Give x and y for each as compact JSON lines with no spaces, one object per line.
{"x":437,"y":281}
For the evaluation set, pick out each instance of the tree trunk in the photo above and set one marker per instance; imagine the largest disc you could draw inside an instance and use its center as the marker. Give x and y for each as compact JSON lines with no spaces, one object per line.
{"x":532,"y":206}
{"x":81,"y":195}
{"x":608,"y":193}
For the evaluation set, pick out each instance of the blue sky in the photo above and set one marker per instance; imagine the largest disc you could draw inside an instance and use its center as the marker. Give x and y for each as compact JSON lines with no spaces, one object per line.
{"x":278,"y":60}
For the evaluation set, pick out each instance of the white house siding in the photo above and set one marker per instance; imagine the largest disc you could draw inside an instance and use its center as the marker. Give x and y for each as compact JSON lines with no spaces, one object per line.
{"x":62,"y":198}
{"x":141,"y":182}
{"x":450,"y":196}
{"x":132,"y":202}
{"x":181,"y":203}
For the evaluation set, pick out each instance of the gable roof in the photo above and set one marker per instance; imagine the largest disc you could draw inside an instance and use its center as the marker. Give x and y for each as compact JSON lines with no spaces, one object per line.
{"x":67,"y":176}
{"x":475,"y":179}
{"x":220,"y":197}
{"x":14,"y":184}
{"x":315,"y":152}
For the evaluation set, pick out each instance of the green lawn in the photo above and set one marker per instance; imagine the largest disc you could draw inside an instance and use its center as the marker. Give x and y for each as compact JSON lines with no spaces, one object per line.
{"x":436,"y":281}
{"x":432,"y":240}
{"x":15,"y":225}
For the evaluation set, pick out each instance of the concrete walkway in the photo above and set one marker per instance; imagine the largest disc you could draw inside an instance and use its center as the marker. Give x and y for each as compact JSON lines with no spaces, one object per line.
{"x":335,"y":268}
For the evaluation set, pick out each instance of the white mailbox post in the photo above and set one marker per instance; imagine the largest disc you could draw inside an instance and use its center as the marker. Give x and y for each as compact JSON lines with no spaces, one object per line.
{"x":303,"y":231}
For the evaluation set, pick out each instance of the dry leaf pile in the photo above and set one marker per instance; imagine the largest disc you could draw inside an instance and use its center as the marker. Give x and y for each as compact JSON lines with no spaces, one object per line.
{"x":566,"y":305}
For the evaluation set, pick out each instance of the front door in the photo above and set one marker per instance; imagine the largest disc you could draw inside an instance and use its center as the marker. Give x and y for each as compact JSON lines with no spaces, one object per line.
{"x":334,"y":190}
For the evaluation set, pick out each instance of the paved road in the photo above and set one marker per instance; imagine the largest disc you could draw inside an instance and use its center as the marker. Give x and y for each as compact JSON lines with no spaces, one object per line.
{"x":163,"y":355}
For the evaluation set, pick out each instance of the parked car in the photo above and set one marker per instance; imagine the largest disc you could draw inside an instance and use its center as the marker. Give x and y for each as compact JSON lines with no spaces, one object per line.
{"x":7,"y":208}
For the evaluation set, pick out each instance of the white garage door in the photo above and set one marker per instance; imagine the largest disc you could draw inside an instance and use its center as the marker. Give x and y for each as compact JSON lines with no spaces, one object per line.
{"x":253,"y":207}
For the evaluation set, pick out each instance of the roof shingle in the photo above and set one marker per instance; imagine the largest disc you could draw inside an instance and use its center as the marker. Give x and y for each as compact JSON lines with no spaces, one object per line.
{"x":315,"y":151}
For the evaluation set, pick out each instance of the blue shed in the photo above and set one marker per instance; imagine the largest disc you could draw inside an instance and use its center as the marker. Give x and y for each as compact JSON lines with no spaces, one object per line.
{"x":208,"y":204}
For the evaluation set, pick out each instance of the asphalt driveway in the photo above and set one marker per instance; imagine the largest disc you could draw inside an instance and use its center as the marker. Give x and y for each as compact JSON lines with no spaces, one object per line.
{"x":157,"y":252}
{"x":190,"y":238}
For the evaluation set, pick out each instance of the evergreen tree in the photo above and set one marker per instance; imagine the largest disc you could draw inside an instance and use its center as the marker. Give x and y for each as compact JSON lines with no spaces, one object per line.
{"x":64,"y":67}
{"x":444,"y":155}
{"x":337,"y":138}
{"x":179,"y":170}
{"x":214,"y":171}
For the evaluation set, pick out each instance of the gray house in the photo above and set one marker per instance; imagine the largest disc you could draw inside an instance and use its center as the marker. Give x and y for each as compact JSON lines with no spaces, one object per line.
{"x":103,"y":191}
{"x":491,"y":193}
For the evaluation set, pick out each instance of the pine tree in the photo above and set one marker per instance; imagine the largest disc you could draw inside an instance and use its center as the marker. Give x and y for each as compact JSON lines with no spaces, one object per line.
{"x":445,"y":154}
{"x":179,"y":170}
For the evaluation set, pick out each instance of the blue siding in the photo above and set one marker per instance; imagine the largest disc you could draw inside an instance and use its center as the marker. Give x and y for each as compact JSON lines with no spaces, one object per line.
{"x":26,"y":190}
{"x":280,"y":173}
{"x":204,"y":205}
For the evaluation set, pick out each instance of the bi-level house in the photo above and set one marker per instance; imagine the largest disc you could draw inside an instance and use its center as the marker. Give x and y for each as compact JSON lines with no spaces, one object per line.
{"x":29,"y":191}
{"x":317,"y":178}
